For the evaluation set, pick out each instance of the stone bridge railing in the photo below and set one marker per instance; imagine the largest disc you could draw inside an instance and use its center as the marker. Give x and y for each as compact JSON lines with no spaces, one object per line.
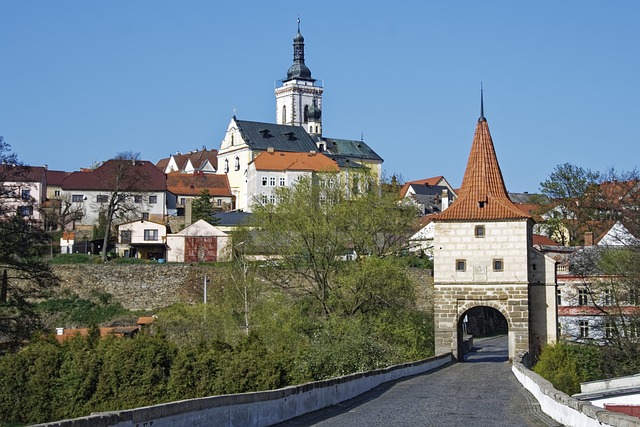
{"x":563,"y":408}
{"x":256,"y":409}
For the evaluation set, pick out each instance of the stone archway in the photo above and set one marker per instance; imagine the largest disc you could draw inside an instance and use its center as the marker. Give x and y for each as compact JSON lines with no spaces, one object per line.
{"x":476,"y":320}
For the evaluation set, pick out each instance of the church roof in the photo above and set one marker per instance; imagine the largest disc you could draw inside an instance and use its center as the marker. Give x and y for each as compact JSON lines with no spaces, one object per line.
{"x":262,"y":136}
{"x":280,"y":161}
{"x":483,"y":195}
{"x":350,"y":148}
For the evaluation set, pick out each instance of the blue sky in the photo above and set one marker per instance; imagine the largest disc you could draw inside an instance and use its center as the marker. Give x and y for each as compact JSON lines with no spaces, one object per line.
{"x":83,"y":80}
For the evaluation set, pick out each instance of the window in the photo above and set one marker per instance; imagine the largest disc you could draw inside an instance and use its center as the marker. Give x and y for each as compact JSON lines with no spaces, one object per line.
{"x":150,"y":235}
{"x":145,"y":216}
{"x":219,"y":202}
{"x":183,"y":201}
{"x":56,"y":193}
{"x":497,"y":265}
{"x":125,"y":236}
{"x":272,"y":199}
{"x":25,"y":210}
{"x":283,"y":119}
{"x":479,"y":231}
{"x":584,"y":329}
{"x":137,"y":198}
{"x":26,"y":194}
{"x":634,"y":297}
{"x":634,"y":329}
{"x":559,"y":297}
{"x":264,"y":199}
{"x":583,"y":297}
{"x":282,"y":181}
{"x":153,"y":199}
{"x":607,"y":297}
{"x":102,"y":198}
{"x":78,"y":198}
{"x":609,"y":329}
{"x":226,"y":165}
{"x":237,"y":164}
{"x":264,"y":181}
{"x":272,"y":181}
{"x":461,"y":265}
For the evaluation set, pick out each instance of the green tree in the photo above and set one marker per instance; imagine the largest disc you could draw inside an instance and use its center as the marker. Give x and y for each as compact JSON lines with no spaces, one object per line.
{"x":558,"y":365}
{"x":314,"y":227}
{"x":202,"y":208}
{"x":25,"y":277}
{"x":571,"y":190}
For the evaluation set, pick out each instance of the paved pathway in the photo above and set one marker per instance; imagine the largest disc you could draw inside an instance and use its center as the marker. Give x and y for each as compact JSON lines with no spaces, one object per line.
{"x":482,"y":392}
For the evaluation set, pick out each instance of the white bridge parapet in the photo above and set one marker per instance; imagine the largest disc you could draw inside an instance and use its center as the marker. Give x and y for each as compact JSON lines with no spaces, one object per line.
{"x":563,"y":408}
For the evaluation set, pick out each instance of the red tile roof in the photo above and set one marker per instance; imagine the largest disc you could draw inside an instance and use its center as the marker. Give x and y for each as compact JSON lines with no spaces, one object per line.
{"x":288,"y":161}
{"x":139,"y":175}
{"x":187,"y":184}
{"x":483,"y":195}
{"x":198,"y":158}
{"x":543,"y":241}
{"x":56,"y":177}
{"x":19,"y":173}
{"x":427,"y":181}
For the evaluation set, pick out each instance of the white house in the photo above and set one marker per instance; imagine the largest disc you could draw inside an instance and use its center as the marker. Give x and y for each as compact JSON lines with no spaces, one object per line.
{"x":142,"y":239}
{"x":22,"y":190}
{"x":199,"y":242}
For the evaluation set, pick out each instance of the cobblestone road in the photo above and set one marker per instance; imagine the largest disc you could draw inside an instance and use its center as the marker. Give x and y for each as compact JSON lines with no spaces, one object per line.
{"x":483,"y":392}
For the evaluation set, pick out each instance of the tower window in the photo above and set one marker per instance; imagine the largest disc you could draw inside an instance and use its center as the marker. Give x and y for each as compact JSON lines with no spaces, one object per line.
{"x":479,"y":231}
{"x":237,"y":164}
{"x":498,"y":265}
{"x":461,"y":265}
{"x":284,"y":115}
{"x":226,"y":165}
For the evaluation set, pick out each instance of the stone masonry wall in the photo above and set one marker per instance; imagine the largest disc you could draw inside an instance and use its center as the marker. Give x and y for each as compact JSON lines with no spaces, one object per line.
{"x":153,"y":286}
{"x":139,"y":287}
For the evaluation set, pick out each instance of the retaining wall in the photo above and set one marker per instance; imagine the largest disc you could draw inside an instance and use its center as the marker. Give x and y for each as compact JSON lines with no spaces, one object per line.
{"x":563,"y":408}
{"x":256,"y":409}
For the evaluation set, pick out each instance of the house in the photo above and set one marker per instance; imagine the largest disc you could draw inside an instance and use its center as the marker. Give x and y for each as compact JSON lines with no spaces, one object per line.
{"x":199,"y":242}
{"x":142,"y":239}
{"x":620,"y":394}
{"x":139,"y":185}
{"x":232,"y":220}
{"x":273,"y":169}
{"x":298,"y":129}
{"x":590,"y":302}
{"x":185,"y":187}
{"x":23,"y":191}
{"x":205,"y":161}
{"x":422,"y":240}
{"x":431,"y":195}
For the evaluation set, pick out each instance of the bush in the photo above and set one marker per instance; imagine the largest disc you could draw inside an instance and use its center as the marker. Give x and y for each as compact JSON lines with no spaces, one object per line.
{"x":559,"y":366}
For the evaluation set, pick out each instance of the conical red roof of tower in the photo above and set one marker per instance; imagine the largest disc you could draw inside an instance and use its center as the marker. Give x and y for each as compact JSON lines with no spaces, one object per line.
{"x":483,"y":195}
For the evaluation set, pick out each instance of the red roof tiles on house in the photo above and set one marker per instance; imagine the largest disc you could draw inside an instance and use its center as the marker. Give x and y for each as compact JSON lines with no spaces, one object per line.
{"x":427,"y":181}
{"x":186,"y":184}
{"x":288,"y":161}
{"x":483,"y":195}
{"x":138,"y":175}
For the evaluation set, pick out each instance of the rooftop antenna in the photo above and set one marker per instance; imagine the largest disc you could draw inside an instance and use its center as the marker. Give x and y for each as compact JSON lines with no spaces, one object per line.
{"x":482,"y":118}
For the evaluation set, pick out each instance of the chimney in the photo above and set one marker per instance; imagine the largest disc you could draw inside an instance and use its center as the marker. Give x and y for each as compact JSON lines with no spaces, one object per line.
{"x":270,"y":150}
{"x":59,"y":331}
{"x":588,"y":238}
{"x":445,"y":199}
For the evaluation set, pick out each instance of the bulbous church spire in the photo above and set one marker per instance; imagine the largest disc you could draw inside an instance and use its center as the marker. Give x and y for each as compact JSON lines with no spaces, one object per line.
{"x":298,"y":70}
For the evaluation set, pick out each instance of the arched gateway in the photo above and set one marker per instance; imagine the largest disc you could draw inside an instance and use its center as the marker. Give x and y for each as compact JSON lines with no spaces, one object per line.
{"x":483,"y":256}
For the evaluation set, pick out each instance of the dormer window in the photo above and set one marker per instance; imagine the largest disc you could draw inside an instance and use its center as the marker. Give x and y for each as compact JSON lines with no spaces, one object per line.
{"x":481,"y":204}
{"x":265,"y":133}
{"x":290,"y":136}
{"x":479,"y":231}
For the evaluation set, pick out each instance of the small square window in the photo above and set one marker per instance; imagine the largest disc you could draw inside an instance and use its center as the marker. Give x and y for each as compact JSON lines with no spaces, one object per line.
{"x":145,"y":216}
{"x":77,"y":198}
{"x":151,"y":235}
{"x":498,"y":265}
{"x":153,"y":199}
{"x":461,"y":265}
{"x":264,"y":181}
{"x":137,"y":198}
{"x":102,"y":198}
{"x":26,"y":194}
{"x":479,"y":231}
{"x":282,"y":181}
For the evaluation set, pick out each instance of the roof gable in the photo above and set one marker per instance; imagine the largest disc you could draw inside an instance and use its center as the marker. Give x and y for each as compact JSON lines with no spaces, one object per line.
{"x":201,"y":228}
{"x":618,"y":235}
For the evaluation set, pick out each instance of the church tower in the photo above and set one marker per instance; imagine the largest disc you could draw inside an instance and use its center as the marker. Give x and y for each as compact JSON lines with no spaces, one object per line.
{"x":483,"y":257}
{"x":299,"y":97}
